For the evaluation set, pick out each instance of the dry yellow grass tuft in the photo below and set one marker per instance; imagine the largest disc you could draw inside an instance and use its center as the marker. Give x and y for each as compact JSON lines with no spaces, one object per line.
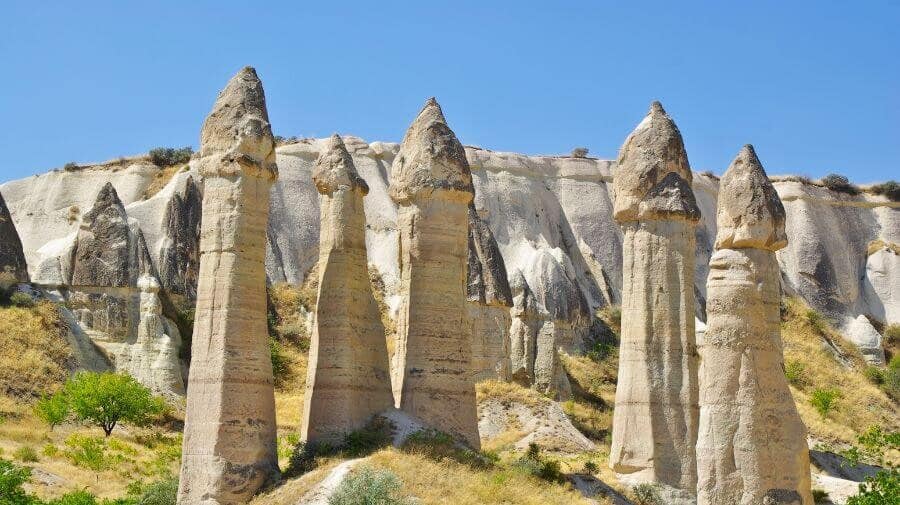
{"x":509,"y":392}
{"x":811,"y":366}
{"x":162,"y":178}
{"x":877,"y":245}
{"x":34,"y":355}
{"x":448,"y":482}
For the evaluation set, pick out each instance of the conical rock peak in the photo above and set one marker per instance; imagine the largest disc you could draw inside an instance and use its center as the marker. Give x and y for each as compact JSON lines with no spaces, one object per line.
{"x":430,"y":159}
{"x":653,"y":150}
{"x":335,"y":169}
{"x":749,"y":213}
{"x":236,"y":138}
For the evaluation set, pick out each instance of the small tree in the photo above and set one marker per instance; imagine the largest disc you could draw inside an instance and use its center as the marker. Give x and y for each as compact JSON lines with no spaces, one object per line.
{"x":53,"y":410}
{"x":839,"y":183}
{"x":106,"y":399}
{"x":12,"y":477}
{"x":580,"y":152}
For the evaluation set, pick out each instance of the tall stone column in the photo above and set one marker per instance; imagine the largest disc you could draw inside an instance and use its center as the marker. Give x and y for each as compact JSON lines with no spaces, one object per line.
{"x":349,"y":370}
{"x":432,"y":185}
{"x":751,"y":446}
{"x":229,"y":433}
{"x":655,"y":418}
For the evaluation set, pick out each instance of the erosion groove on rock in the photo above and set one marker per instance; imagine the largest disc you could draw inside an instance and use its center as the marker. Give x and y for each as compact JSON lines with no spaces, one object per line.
{"x":752,"y":443}
{"x":655,"y":417}
{"x":349,"y":377}
{"x":432,"y":185}
{"x":229,"y":435}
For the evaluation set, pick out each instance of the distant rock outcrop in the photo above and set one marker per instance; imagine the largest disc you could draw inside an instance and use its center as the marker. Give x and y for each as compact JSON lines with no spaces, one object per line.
{"x":12,"y":257}
{"x":432,"y":186}
{"x":489,"y":302}
{"x":656,"y":413}
{"x":752,"y":444}
{"x":229,"y":448}
{"x":179,"y":261}
{"x":349,"y":378}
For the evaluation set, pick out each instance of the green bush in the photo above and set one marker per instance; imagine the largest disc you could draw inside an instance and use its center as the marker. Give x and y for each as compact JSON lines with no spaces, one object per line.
{"x":891,"y":384}
{"x":580,"y":152}
{"x":534,"y":464}
{"x":820,"y":496}
{"x":839,"y":183}
{"x":600,"y":352}
{"x":26,"y":454}
{"x":892,"y":334}
{"x":168,"y":156}
{"x":590,"y":467}
{"x":824,"y":400}
{"x":438,"y":445}
{"x":280,"y":364}
{"x":369,"y":486}
{"x":71,"y":166}
{"x":75,"y":498}
{"x":646,"y":494}
{"x":890,"y":189}
{"x":53,"y":410}
{"x":874,"y":374}
{"x":816,"y":320}
{"x":881,"y":489}
{"x":20,"y":299}
{"x":87,"y":452}
{"x":164,"y":492}
{"x":12,"y":478}
{"x":106,"y":399}
{"x":795,"y":372}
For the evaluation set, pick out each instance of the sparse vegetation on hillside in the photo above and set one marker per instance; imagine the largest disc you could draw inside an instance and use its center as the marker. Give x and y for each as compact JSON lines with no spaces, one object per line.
{"x":168,"y":156}
{"x":34,"y":354}
{"x":840,"y":184}
{"x":580,"y":152}
{"x":367,"y":486}
{"x":889,"y":189}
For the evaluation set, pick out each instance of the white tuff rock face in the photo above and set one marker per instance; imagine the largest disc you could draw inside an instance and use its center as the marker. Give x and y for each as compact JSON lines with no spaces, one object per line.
{"x":655,"y":417}
{"x":432,"y":185}
{"x":751,"y":446}
{"x":153,"y":358}
{"x":229,"y":434}
{"x":349,"y":377}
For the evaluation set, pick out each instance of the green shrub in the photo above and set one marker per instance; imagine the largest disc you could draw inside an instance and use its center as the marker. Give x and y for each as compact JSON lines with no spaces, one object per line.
{"x":369,"y":486}
{"x":824,"y":400}
{"x":75,"y":498}
{"x":280,"y":363}
{"x":874,"y":374}
{"x":890,"y":189}
{"x":892,"y":334}
{"x":891,"y":384}
{"x":164,"y":492}
{"x":26,"y":454}
{"x":168,"y":156}
{"x":590,"y":467}
{"x":71,"y":166}
{"x":839,"y":183}
{"x":20,"y":299}
{"x":50,"y":450}
{"x":12,"y":478}
{"x":53,"y":410}
{"x":795,"y":372}
{"x":534,"y":464}
{"x":816,"y":320}
{"x":883,"y":488}
{"x":87,"y":452}
{"x":106,"y":399}
{"x":580,"y":152}
{"x":600,"y":352}
{"x":438,"y":445}
{"x":646,"y":494}
{"x":820,"y":496}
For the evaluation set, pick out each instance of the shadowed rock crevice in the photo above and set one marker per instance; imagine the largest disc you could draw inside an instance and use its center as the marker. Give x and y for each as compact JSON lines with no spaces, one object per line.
{"x":12,"y":257}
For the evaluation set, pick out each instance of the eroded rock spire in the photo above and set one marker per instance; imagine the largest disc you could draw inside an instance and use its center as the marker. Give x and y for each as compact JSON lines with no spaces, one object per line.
{"x":752,"y":443}
{"x":349,"y":372}
{"x":229,"y":435}
{"x":655,"y":419}
{"x":432,"y":184}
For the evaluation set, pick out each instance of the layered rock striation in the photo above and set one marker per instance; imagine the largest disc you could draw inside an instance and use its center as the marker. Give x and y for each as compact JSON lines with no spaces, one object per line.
{"x":349,"y":377}
{"x":432,"y":186}
{"x":751,"y":446}
{"x":656,"y":412}
{"x":229,"y":447}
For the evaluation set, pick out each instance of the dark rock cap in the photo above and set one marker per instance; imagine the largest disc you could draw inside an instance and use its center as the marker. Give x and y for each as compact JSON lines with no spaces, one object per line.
{"x":653,"y":150}
{"x":335,"y":169}
{"x":430,"y":159}
{"x":671,"y":199}
{"x":749,"y":212}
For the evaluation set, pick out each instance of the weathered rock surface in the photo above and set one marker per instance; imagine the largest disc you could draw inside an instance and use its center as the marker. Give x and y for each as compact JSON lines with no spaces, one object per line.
{"x":153,"y":357}
{"x":655,"y":418}
{"x":12,"y":257}
{"x":534,"y":355}
{"x":542,"y":422}
{"x":490,"y":299}
{"x":179,"y":261}
{"x":109,"y":250}
{"x":432,"y":185}
{"x":751,"y":446}
{"x":229,"y":436}
{"x":349,"y":377}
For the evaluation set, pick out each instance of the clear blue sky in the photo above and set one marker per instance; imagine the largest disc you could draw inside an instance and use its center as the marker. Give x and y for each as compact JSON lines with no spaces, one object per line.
{"x":815,"y":86}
